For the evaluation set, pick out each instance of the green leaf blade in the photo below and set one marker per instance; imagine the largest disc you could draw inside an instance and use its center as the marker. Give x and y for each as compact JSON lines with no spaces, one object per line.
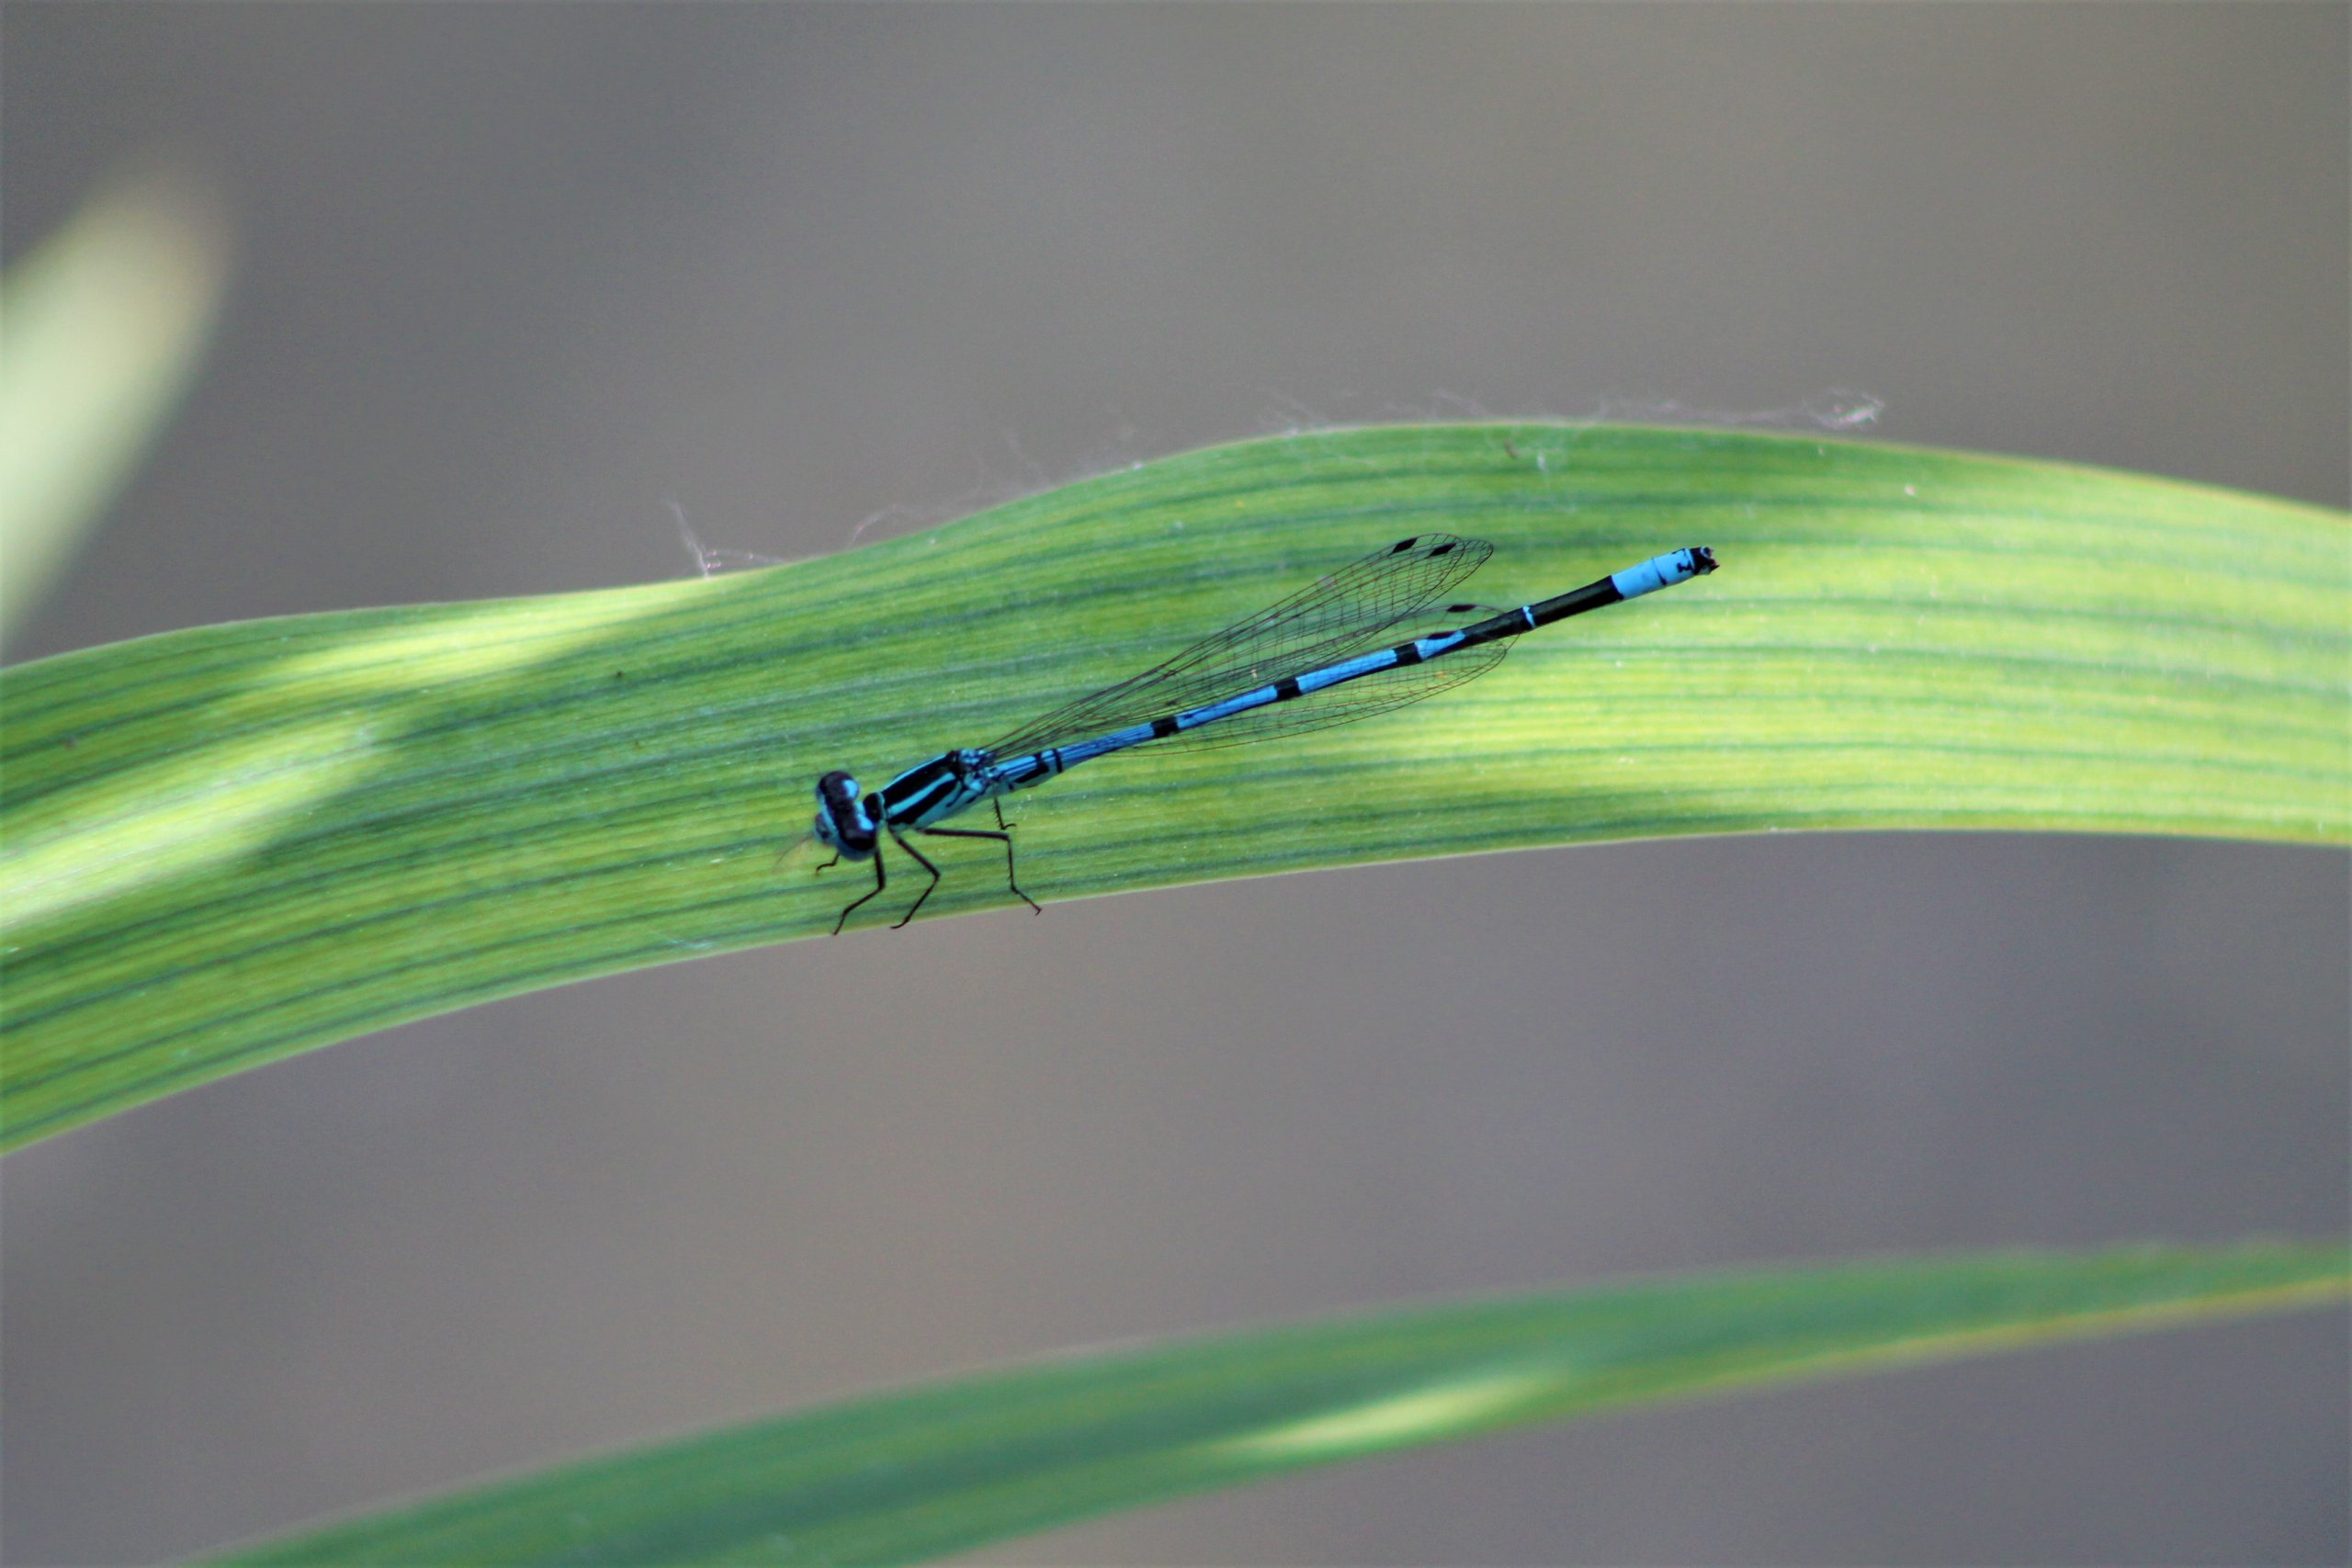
{"x":923,"y":1471}
{"x":220,"y":846}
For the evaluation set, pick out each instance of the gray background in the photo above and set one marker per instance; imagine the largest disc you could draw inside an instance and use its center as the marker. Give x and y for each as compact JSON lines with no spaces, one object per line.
{"x":511,"y":278}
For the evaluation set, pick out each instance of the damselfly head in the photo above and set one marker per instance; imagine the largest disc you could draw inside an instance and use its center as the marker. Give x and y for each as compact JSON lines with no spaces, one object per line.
{"x":842,"y":821}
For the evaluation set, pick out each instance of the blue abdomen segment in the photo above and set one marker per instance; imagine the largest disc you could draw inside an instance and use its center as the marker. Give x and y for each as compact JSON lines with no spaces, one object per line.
{"x":1661,"y":571}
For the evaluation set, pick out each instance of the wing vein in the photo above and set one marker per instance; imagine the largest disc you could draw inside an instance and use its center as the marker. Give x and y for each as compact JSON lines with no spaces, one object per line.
{"x":1344,"y":613}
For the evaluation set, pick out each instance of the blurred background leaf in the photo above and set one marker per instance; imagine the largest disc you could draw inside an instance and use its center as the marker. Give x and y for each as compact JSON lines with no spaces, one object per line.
{"x":101,"y":329}
{"x":920,"y":1473}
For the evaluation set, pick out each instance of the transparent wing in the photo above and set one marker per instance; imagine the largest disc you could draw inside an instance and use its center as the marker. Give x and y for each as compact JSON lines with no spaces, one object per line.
{"x":1342,"y":615}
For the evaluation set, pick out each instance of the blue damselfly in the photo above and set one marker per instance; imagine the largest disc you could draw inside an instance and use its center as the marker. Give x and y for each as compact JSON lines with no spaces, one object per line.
{"x":1300,"y":665}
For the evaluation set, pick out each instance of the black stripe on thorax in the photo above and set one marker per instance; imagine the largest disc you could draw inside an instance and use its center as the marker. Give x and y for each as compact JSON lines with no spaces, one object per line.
{"x":908,"y":795}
